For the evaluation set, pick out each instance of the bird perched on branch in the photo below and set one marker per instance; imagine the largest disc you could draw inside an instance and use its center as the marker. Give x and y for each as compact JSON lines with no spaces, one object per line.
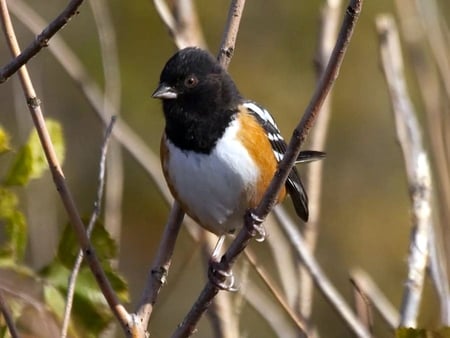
{"x":219,"y":151}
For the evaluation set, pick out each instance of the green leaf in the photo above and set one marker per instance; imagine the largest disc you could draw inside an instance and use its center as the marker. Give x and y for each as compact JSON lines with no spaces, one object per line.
{"x":15,"y":228}
{"x":68,"y":248}
{"x":4,"y":141}
{"x":91,"y":313}
{"x":405,"y":332}
{"x":30,"y":162}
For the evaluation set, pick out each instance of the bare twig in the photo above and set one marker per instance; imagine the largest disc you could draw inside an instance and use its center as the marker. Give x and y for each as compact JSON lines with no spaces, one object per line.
{"x":161,"y":264}
{"x":246,"y":234}
{"x":300,"y":322}
{"x":40,"y":41}
{"x":231,"y":29}
{"x":95,"y":213}
{"x":329,"y":24}
{"x":417,"y":168}
{"x":438,"y":125}
{"x":363,"y":307}
{"x":9,"y":321}
{"x":182,"y":22}
{"x":322,"y":282}
{"x":268,"y":309}
{"x":386,"y":310}
{"x":58,"y":175}
{"x":111,"y":70}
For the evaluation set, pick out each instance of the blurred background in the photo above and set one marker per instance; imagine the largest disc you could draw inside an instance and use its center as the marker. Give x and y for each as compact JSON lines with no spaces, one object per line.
{"x":365,"y":219}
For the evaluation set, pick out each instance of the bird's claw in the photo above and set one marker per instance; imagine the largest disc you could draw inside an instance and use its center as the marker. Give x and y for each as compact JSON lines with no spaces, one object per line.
{"x":255,"y":226}
{"x":221,"y":278}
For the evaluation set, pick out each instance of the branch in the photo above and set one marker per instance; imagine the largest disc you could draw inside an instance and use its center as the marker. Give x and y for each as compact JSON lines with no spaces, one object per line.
{"x":97,"y":208}
{"x":329,"y":24}
{"x":244,"y":236}
{"x":230,"y":34}
{"x":9,"y":321}
{"x":40,"y":41}
{"x":111,"y":70}
{"x":386,"y":310}
{"x":160,"y":267}
{"x":181,"y":22}
{"x":33,"y":103}
{"x":417,"y":168}
{"x":324,"y":285}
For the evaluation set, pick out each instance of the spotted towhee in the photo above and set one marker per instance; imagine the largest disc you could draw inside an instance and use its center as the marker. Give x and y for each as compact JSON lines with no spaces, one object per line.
{"x":219,"y":151}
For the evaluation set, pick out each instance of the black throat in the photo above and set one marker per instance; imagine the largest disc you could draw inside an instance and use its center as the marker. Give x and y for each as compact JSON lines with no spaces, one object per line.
{"x":194,"y":130}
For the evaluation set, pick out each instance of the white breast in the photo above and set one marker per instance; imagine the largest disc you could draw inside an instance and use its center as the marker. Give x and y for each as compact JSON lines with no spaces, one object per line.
{"x":215,"y":187}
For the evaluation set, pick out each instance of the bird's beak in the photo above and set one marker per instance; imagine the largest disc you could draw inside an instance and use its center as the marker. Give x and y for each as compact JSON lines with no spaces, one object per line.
{"x":165,"y":92}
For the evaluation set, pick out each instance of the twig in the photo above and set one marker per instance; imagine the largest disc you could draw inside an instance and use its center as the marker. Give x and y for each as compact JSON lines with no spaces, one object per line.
{"x":242,"y":239}
{"x":363,"y":307}
{"x":161,"y":264}
{"x":329,"y":24}
{"x":268,"y":309}
{"x":377,"y":298}
{"x":182,"y":22}
{"x":231,"y":30}
{"x":300,"y":322}
{"x":41,"y":40}
{"x":111,"y":70}
{"x":417,"y":168}
{"x":4,"y":310}
{"x":58,"y":175}
{"x":322,"y":282}
{"x":438,"y":125}
{"x":95,"y":214}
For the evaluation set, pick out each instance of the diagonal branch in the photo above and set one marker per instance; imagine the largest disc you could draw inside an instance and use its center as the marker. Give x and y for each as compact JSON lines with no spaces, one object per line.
{"x":34,"y":107}
{"x":40,"y":41}
{"x":244,"y":236}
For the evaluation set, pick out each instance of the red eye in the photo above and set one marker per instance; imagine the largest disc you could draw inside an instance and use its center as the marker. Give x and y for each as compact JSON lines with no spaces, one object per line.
{"x":191,"y":81}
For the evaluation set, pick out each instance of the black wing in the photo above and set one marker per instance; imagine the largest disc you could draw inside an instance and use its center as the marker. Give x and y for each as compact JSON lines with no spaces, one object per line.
{"x":294,"y":185}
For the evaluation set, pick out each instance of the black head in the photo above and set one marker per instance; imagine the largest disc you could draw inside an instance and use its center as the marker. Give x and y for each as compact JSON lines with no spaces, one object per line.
{"x":199,"y":99}
{"x":194,"y":79}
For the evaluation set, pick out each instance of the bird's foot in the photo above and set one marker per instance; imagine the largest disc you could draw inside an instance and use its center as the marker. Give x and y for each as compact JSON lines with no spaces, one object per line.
{"x":254,"y":226}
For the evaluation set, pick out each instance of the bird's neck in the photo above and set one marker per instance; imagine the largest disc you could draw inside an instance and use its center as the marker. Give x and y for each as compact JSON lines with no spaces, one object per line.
{"x":194,"y":130}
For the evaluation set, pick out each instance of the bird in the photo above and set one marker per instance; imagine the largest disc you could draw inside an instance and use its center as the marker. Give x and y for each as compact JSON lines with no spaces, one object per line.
{"x":219,"y":151}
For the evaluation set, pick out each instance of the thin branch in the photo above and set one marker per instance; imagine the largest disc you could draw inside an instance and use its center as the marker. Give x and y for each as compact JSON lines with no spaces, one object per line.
{"x":111,"y":69}
{"x":160,"y":267}
{"x":230,"y":34}
{"x":417,"y":168}
{"x":242,"y":239}
{"x":58,"y":175}
{"x":41,"y":40}
{"x":329,"y":24}
{"x":324,"y":285}
{"x":363,"y":307}
{"x":95,"y":214}
{"x":386,"y":310}
{"x":9,"y":321}
{"x":300,"y":322}
{"x":181,"y":22}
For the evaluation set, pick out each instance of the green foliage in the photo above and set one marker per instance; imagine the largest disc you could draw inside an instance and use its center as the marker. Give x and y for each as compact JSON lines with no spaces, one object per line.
{"x":4,"y":141}
{"x":68,"y":248}
{"x":30,"y":162}
{"x":422,"y":333}
{"x":48,"y":288}
{"x":15,"y":228}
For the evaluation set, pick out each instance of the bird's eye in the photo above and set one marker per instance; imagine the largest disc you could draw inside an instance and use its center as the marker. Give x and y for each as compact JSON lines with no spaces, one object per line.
{"x":191,"y":81}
